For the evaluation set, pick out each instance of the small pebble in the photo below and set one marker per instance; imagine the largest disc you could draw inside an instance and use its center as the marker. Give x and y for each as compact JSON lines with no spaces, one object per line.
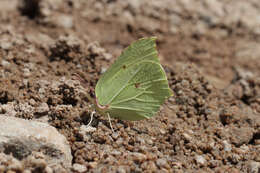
{"x":139,"y":157}
{"x":162,"y":131}
{"x":227,"y":146}
{"x":103,"y":70}
{"x":200,"y":160}
{"x":43,"y":108}
{"x":26,"y":72}
{"x":32,"y":102}
{"x":177,"y":165}
{"x":6,"y":45}
{"x":64,"y":21}
{"x":25,"y":83}
{"x":29,"y":171}
{"x":121,"y":169}
{"x":86,"y":129}
{"x":115,"y":135}
{"x":115,"y":152}
{"x":93,"y":164}
{"x":214,"y":163}
{"x":162,"y":163}
{"x":257,"y":141}
{"x":107,"y":56}
{"x":187,"y":137}
{"x":48,"y":170}
{"x":79,"y":168}
{"x":15,"y":166}
{"x":5,"y":63}
{"x":254,"y":167}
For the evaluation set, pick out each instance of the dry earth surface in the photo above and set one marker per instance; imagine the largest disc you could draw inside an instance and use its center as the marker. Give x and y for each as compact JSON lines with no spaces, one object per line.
{"x":210,"y":50}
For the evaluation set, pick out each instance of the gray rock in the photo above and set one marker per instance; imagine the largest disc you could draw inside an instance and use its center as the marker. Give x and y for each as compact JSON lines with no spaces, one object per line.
{"x":21,"y":138}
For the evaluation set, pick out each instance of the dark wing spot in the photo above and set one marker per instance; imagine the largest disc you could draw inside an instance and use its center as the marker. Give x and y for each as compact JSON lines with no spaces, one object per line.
{"x":137,"y":85}
{"x":124,"y":66}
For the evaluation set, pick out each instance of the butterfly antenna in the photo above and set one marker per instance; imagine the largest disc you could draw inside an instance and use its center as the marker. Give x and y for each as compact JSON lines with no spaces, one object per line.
{"x":91,"y":118}
{"x":110,"y":122}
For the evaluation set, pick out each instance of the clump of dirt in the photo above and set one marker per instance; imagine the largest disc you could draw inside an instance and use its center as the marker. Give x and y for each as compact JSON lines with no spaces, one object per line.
{"x":211,"y":123}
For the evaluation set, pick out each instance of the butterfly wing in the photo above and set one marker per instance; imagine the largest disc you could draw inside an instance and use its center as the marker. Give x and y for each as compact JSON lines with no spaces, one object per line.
{"x":135,"y":86}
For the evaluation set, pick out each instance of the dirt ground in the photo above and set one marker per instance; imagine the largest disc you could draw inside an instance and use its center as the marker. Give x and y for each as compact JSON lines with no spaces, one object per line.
{"x":210,"y":53}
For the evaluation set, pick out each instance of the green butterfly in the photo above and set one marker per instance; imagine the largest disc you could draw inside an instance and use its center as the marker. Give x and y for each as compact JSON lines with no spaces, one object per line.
{"x":135,"y":86}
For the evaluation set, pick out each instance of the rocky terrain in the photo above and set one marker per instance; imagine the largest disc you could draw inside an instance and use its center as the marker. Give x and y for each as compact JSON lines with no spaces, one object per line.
{"x":210,"y":50}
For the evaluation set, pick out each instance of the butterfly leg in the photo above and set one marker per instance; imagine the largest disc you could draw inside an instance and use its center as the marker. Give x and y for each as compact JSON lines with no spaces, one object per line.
{"x":91,"y":118}
{"x":110,"y":122}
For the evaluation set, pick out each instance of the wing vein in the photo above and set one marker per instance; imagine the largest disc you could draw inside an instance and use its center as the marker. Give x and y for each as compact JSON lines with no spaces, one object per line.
{"x":124,"y":86}
{"x":139,"y":94}
{"x":142,"y":58}
{"x":128,"y":99}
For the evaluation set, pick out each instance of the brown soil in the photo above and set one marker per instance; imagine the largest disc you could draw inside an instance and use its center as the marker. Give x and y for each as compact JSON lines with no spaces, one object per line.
{"x":211,"y":124}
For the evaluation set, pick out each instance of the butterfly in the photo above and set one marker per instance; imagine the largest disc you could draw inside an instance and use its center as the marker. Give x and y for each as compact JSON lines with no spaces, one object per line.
{"x":135,"y":85}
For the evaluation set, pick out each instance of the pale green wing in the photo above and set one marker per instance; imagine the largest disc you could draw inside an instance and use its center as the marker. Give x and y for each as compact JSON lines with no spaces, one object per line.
{"x":135,"y":86}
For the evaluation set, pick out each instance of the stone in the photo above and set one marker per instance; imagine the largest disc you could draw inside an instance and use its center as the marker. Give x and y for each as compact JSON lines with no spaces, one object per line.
{"x":8,"y":109}
{"x":162,"y":163}
{"x":200,"y":160}
{"x":5,"y":63}
{"x":254,"y":167}
{"x":87,"y":129}
{"x":6,"y":45}
{"x":64,"y":21}
{"x":139,"y":157}
{"x":26,"y":72}
{"x":121,"y":169}
{"x":42,"y":109}
{"x":227,"y":146}
{"x":79,"y":168}
{"x":21,"y":138}
{"x":241,"y":135}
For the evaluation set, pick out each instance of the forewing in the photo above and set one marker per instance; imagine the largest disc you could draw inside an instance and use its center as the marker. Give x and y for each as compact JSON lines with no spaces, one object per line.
{"x":111,"y":81}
